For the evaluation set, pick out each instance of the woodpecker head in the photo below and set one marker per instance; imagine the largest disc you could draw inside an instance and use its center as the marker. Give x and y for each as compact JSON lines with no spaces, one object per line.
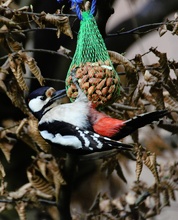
{"x":43,"y":99}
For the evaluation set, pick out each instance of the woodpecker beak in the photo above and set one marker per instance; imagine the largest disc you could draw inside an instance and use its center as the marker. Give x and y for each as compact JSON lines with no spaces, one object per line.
{"x":58,"y":95}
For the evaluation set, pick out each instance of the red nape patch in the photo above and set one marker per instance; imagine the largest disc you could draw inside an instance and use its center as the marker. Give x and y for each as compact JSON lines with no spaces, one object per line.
{"x":108,"y":126}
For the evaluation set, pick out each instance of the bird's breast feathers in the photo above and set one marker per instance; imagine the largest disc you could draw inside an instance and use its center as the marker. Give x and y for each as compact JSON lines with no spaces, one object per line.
{"x":73,"y":113}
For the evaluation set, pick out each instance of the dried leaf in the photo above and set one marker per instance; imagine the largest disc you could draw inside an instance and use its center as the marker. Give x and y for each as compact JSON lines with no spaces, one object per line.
{"x":149,"y":98}
{"x":8,"y":22}
{"x":45,"y":175}
{"x":175,"y":29}
{"x":170,"y":183}
{"x":162,"y":30}
{"x":166,"y":199}
{"x":2,"y":171}
{"x":39,"y":182}
{"x":20,"y":207}
{"x":22,"y":18}
{"x":65,"y":28}
{"x":38,"y":21}
{"x":156,"y":74}
{"x":171,"y":86}
{"x":172,"y":194}
{"x":12,"y":63}
{"x":149,"y":160}
{"x":14,"y":45}
{"x":23,"y":134}
{"x":170,"y":191}
{"x":16,"y":65}
{"x":58,"y":179}
{"x":42,"y":166}
{"x":165,"y":70}
{"x":139,"y":164}
{"x":149,"y":77}
{"x":20,"y":79}
{"x":132,"y":80}
{"x":63,"y":50}
{"x":34,"y":69}
{"x":21,"y":192}
{"x":169,"y":102}
{"x":50,"y":171}
{"x":136,"y":97}
{"x":3,"y":73}
{"x":29,"y":133}
{"x":16,"y":95}
{"x":157,"y":92}
{"x":35,"y":135}
{"x":61,"y":22}
{"x":117,"y":58}
{"x":6,"y":143}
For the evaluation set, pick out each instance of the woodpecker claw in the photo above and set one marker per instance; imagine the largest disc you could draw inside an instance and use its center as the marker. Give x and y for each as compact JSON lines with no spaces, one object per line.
{"x":74,"y":79}
{"x":81,"y":94}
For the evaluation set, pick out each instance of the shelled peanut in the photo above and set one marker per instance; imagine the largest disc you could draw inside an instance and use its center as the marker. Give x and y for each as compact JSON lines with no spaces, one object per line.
{"x":99,"y":82}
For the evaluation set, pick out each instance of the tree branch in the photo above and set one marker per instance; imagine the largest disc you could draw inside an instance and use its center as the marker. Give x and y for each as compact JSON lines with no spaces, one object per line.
{"x":52,"y":52}
{"x":152,"y":12}
{"x":11,"y":201}
{"x":66,"y":190}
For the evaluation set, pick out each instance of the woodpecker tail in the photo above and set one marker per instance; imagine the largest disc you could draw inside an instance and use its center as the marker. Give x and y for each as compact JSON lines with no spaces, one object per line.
{"x":139,"y":121}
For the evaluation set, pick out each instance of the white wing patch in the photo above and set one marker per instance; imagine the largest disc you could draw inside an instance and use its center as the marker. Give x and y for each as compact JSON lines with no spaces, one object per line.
{"x":67,"y":140}
{"x":99,"y":143}
{"x":86,"y":141}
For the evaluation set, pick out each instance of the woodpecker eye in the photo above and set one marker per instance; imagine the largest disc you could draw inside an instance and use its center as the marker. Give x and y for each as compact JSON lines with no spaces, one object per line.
{"x":43,"y":98}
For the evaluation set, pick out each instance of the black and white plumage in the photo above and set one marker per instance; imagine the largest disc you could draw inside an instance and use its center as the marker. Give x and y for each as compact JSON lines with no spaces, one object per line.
{"x":78,"y":127}
{"x":67,"y":126}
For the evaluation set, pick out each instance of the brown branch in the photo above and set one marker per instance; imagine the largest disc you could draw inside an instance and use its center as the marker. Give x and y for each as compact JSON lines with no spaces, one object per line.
{"x":39,"y":14}
{"x":135,"y":30}
{"x":46,"y":79}
{"x":11,"y":201}
{"x":151,"y":12}
{"x":52,"y":52}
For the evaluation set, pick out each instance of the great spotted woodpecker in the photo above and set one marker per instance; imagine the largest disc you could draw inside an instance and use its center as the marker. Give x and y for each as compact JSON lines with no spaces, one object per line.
{"x":78,"y":127}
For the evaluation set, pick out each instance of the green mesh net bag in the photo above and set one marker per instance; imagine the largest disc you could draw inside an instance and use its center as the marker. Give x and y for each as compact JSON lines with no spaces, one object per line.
{"x":94,"y":70}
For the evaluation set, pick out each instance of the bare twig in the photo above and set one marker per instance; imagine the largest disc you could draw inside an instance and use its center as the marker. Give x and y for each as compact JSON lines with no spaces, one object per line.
{"x":46,"y":79}
{"x":10,"y":201}
{"x":52,"y":52}
{"x":135,"y":30}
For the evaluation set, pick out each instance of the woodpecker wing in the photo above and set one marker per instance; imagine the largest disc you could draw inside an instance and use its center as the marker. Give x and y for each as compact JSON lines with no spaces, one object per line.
{"x":72,"y":139}
{"x":137,"y":122}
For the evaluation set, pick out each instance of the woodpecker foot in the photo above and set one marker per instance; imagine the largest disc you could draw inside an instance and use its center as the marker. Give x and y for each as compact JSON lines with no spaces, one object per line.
{"x":74,"y":79}
{"x":81,"y":95}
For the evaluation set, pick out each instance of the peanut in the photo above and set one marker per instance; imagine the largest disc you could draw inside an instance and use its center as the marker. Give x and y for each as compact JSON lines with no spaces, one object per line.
{"x":101,"y":84}
{"x":91,"y":90}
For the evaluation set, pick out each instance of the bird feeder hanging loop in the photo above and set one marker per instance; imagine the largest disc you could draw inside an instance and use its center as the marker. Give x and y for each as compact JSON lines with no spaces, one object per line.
{"x":77,"y":4}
